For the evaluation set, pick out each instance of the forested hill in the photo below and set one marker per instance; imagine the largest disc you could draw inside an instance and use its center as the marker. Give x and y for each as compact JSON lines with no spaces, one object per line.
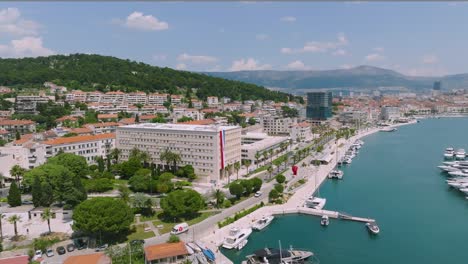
{"x":95,"y":72}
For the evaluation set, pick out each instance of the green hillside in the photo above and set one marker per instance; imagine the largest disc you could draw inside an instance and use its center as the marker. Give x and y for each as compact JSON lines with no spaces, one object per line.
{"x":103,"y":73}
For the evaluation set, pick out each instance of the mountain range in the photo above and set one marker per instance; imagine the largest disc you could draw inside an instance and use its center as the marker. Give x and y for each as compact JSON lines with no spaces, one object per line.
{"x":357,"y":77}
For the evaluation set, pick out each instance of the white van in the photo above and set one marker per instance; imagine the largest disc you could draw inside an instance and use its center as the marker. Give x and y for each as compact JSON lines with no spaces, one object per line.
{"x":180,"y":228}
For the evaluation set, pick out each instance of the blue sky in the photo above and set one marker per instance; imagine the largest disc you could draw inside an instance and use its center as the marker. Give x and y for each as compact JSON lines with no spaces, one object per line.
{"x":413,"y":38}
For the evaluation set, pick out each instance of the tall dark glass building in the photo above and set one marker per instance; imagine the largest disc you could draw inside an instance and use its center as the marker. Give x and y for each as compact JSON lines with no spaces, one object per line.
{"x":319,"y":105}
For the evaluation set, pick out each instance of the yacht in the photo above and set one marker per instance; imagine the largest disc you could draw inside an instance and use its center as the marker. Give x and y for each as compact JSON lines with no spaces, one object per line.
{"x":262,"y":223}
{"x":449,"y":152}
{"x":315,"y":202}
{"x":347,"y":160}
{"x":236,"y":236}
{"x":388,"y":129}
{"x":460,"y":154}
{"x":373,"y":227}
{"x":462,"y":173}
{"x":448,"y":168}
{"x":325,"y":220}
{"x":464,"y":190}
{"x":336,"y":174}
{"x":458,"y":185}
{"x":278,"y":256}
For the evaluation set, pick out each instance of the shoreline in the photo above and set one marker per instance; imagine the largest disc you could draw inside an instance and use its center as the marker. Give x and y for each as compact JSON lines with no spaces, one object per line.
{"x":215,"y":238}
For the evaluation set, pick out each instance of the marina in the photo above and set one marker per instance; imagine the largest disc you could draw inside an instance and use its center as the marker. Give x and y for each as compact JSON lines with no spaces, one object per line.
{"x":406,"y":218}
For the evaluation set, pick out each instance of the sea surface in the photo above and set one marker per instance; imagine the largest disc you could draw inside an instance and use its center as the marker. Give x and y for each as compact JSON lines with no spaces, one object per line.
{"x":393,"y":179}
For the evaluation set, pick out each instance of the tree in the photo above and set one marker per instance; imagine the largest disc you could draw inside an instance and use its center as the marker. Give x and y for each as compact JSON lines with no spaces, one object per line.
{"x":182,"y":203}
{"x":270,"y":170}
{"x":173,"y":239}
{"x":184,"y":119}
{"x":128,"y":168}
{"x":47,"y":197}
{"x":219,"y":196}
{"x":279,"y":188}
{"x":236,"y":189}
{"x":124,"y":193}
{"x":257,"y":157}
{"x":280,"y":178}
{"x":14,"y":219}
{"x":46,"y":216}
{"x":143,"y":204}
{"x":115,"y":153}
{"x":100,"y":162}
{"x":265,"y":156}
{"x":140,"y":182}
{"x":273,"y":195}
{"x":187,"y":171}
{"x":18,"y":135}
{"x":247,"y":164}
{"x":76,"y":164}
{"x":248,"y":186}
{"x":104,"y":216}
{"x":137,"y":118}
{"x":14,"y":195}
{"x":237,"y":167}
{"x":1,"y":227}
{"x":252,"y":121}
{"x":17,"y":172}
{"x":36,"y":191}
{"x":256,"y":184}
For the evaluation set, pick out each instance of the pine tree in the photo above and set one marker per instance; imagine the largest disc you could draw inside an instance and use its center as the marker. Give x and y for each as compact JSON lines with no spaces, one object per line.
{"x":36,"y":192}
{"x":18,"y":135}
{"x":14,"y":195}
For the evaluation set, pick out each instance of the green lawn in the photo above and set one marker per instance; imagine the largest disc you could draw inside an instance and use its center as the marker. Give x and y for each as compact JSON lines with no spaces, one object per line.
{"x":140,"y":233}
{"x":167,"y":226}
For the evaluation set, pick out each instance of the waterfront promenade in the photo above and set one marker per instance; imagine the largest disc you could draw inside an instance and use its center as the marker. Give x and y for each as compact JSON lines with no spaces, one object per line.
{"x":213,"y":237}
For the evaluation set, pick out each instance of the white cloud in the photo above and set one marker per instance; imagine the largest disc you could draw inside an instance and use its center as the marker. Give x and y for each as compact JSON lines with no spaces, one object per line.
{"x":181,"y":66}
{"x":289,"y":19}
{"x":374,"y":57}
{"x":159,"y":57}
{"x":262,"y":37}
{"x":340,"y":52}
{"x":320,"y":47}
{"x":12,"y":23}
{"x":248,"y":64}
{"x":196,"y":59}
{"x":430,"y":59}
{"x":25,"y":47}
{"x":137,"y":20}
{"x":297,"y":65}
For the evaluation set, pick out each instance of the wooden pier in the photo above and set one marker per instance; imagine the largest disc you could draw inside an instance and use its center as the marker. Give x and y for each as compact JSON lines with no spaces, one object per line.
{"x":316,"y":212}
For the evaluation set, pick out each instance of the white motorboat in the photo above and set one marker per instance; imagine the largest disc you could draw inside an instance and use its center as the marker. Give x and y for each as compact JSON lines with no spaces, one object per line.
{"x":449,"y":153}
{"x":460,"y":154}
{"x":388,"y":129}
{"x":242,"y":244}
{"x":262,"y":223}
{"x":347,"y":160}
{"x":448,"y":168}
{"x":316,"y":202}
{"x":462,"y":173}
{"x":278,"y":256}
{"x":458,"y":185}
{"x":336,"y":174}
{"x":325,"y":220}
{"x":236,"y":236}
{"x":373,"y":228}
{"x":464,"y":190}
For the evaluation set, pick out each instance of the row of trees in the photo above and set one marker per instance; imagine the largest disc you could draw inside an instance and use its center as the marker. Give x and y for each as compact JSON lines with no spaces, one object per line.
{"x":245,"y":187}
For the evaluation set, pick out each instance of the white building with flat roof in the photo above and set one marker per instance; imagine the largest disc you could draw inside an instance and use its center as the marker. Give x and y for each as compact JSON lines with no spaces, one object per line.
{"x":208,"y":148}
{"x":253,"y":143}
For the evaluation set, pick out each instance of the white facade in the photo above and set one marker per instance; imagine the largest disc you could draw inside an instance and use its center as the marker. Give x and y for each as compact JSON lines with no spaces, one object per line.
{"x":113,"y":97}
{"x":275,"y":125}
{"x":390,"y":113}
{"x":253,"y":143}
{"x":301,"y":132}
{"x":157,"y":99}
{"x":212,"y":101}
{"x":27,"y":156}
{"x":136,"y":98}
{"x":207,"y":148}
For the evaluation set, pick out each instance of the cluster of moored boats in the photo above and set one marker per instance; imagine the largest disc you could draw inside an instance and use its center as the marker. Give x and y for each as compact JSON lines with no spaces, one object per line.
{"x":237,"y":237}
{"x":456,"y":170}
{"x":459,"y":154}
{"x":351,"y":153}
{"x":199,"y":253}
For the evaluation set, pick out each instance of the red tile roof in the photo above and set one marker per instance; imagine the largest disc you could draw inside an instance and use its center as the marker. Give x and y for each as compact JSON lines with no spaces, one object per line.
{"x":9,"y":122}
{"x":165,"y":250}
{"x":76,"y":139}
{"x":96,"y":258}
{"x":15,"y":260}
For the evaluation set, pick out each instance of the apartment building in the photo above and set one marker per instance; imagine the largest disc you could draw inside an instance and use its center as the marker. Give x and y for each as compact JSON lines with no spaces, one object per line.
{"x":253,"y":143}
{"x":276,"y":125}
{"x":93,"y":97}
{"x":157,"y":99}
{"x":212,"y":101}
{"x":301,"y":132}
{"x":28,"y":155}
{"x":89,"y":146}
{"x":27,"y":104}
{"x":180,"y":112}
{"x":113,"y":97}
{"x":176,"y":99}
{"x":21,"y":126}
{"x":76,"y":96}
{"x":137,"y":98}
{"x":390,"y":113}
{"x":208,"y":148}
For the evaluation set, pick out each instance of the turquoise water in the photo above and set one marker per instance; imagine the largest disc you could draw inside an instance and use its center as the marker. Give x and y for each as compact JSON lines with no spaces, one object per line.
{"x":394,"y":179}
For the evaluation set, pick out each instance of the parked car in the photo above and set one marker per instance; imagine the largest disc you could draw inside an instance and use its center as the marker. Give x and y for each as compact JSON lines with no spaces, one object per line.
{"x":37,"y":254}
{"x":61,"y":250}
{"x":70,"y":247}
{"x":26,"y":202}
{"x":49,"y":252}
{"x":101,"y":248}
{"x":258,"y":194}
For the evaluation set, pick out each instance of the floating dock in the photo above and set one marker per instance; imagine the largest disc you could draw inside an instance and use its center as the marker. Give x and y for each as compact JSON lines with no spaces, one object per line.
{"x":316,"y":212}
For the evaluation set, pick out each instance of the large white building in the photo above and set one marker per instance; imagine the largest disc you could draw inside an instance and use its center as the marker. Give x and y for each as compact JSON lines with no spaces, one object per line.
{"x":390,"y":113}
{"x":301,"y":132}
{"x":276,"y":125}
{"x":253,"y":143}
{"x":208,"y":148}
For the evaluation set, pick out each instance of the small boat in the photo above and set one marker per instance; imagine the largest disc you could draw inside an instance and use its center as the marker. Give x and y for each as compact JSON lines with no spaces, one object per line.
{"x":194,"y":247}
{"x":464,"y":190}
{"x":459,"y":185}
{"x":388,"y":129}
{"x":449,"y":152}
{"x":262,"y":223}
{"x":235,"y":237}
{"x":278,"y":256}
{"x":206,"y":251}
{"x":448,"y":168}
{"x":242,"y":244}
{"x":316,"y":202}
{"x":462,"y":173}
{"x":189,"y":250}
{"x":460,"y":154}
{"x":335,"y":174}
{"x":373,"y":228}
{"x":325,"y":220}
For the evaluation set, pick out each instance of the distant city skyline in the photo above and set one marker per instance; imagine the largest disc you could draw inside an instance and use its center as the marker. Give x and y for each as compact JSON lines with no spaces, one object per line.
{"x":419,"y":39}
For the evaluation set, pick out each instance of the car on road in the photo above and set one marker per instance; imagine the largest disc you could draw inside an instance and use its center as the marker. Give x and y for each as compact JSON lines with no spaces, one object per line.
{"x":258,"y":194}
{"x":70,"y":247}
{"x":61,"y":250}
{"x":49,"y":252}
{"x":137,"y":242}
{"x":101,"y":248}
{"x":26,"y":202}
{"x":37,"y":254}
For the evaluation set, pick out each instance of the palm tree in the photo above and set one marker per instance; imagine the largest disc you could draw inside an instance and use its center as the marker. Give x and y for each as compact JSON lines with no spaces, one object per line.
{"x":144,"y":157}
{"x":17,"y":172}
{"x":270,"y":153}
{"x":13,"y":220}
{"x":1,"y":227}
{"x":257,"y":157}
{"x":270,"y":170}
{"x":115,"y":153}
{"x":165,"y":157}
{"x":46,"y":216}
{"x":265,"y":156}
{"x":228,"y":170}
{"x":247,"y":164}
{"x":219,"y":196}
{"x":174,"y":158}
{"x":237,"y":167}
